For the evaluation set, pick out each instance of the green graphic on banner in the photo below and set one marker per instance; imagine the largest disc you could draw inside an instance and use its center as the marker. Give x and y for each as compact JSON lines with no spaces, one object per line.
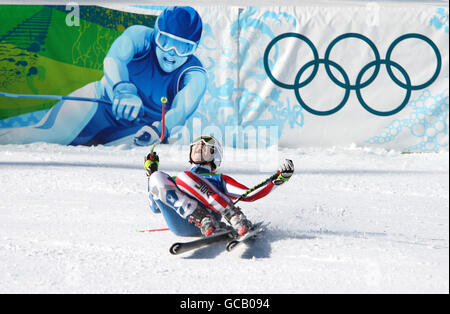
{"x":41,"y":54}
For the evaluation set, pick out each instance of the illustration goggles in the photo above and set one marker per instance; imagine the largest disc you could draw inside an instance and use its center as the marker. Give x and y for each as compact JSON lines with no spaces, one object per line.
{"x":166,"y":41}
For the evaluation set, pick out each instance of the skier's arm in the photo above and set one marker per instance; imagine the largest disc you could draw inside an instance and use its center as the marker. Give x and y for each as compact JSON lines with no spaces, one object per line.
{"x":132,"y":43}
{"x":151,"y":164}
{"x":187,"y":99}
{"x":153,"y":207}
{"x":235,"y":189}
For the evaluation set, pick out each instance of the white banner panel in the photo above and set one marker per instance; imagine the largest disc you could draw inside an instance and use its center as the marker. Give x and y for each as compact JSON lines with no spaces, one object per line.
{"x":319,"y":75}
{"x":370,"y":75}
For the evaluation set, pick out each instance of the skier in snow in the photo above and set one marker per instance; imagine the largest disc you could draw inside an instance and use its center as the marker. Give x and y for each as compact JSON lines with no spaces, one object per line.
{"x":142,"y":66}
{"x":196,"y":200}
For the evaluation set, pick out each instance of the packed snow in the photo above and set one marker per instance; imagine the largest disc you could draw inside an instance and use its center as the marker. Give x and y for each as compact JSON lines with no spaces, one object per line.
{"x":351,"y":220}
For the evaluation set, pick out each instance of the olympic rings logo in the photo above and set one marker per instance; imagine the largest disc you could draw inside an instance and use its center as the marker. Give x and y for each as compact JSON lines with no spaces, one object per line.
{"x":359,"y":84}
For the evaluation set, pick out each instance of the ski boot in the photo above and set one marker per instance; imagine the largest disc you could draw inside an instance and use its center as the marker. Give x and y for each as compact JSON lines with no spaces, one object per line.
{"x":238,"y":221}
{"x":204,"y":220}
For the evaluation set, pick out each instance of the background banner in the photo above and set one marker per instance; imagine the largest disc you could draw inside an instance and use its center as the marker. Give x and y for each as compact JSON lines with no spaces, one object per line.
{"x":373,"y":75}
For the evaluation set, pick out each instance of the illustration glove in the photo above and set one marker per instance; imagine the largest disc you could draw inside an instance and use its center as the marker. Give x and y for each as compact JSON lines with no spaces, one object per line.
{"x":151,"y":163}
{"x":286,"y":171}
{"x":126,"y":102}
{"x":147,"y":135}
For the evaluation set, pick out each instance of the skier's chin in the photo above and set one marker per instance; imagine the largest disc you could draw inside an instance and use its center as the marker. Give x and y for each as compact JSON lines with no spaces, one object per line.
{"x":167,"y":65}
{"x":168,"y":68}
{"x":198,"y":160}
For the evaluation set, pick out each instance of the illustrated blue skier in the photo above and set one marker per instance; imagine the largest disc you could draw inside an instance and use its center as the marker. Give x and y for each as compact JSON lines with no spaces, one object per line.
{"x":195,"y":201}
{"x":142,"y":66}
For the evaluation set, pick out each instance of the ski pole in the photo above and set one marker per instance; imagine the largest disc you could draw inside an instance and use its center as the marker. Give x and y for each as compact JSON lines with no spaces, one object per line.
{"x":153,"y":230}
{"x":163,"y":124}
{"x":55,"y":97}
{"x":271,"y":178}
{"x":59,"y":97}
{"x":163,"y":130}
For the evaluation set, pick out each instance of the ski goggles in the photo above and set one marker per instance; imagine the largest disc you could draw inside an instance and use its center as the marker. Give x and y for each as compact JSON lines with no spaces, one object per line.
{"x":207,"y":140}
{"x":166,"y":41}
{"x":210,"y":142}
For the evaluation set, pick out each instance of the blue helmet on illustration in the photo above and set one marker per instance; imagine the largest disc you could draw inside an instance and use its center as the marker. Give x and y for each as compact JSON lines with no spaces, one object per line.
{"x":177,"y":33}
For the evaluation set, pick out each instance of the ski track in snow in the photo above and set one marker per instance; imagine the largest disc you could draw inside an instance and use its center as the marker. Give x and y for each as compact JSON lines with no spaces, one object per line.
{"x":351,"y":220}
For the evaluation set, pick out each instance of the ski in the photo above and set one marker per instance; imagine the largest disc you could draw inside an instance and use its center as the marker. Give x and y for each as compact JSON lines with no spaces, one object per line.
{"x":256,"y":229}
{"x":182,"y":247}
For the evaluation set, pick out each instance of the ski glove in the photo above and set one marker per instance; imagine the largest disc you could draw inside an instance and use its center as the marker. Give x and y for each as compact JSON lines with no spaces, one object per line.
{"x":286,"y":171}
{"x":151,"y":163}
{"x":126,"y":102}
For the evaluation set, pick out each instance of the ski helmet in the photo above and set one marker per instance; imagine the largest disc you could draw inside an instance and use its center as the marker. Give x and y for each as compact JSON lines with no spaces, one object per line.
{"x":178,"y":28}
{"x":216,"y":152}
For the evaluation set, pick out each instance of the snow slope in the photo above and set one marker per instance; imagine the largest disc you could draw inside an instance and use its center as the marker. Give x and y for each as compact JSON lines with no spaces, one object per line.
{"x":351,"y":220}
